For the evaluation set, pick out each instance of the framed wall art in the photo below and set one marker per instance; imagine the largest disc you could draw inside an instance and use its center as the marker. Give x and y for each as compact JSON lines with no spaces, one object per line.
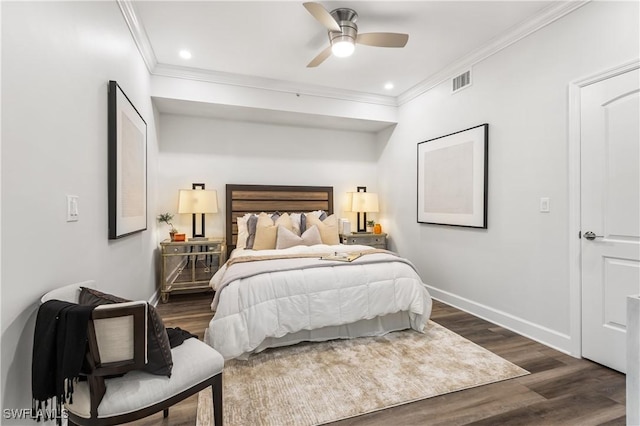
{"x":453,"y":178}
{"x":127,"y":165}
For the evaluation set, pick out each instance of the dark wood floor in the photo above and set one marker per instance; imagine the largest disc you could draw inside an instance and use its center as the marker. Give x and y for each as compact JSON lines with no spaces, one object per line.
{"x":560,"y":390}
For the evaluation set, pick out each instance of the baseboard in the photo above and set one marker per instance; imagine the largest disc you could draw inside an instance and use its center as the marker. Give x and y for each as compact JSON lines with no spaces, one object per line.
{"x":154,"y":299}
{"x":558,"y":341}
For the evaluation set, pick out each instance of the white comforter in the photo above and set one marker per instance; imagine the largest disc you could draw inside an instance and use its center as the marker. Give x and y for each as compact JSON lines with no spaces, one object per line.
{"x":273,"y":304}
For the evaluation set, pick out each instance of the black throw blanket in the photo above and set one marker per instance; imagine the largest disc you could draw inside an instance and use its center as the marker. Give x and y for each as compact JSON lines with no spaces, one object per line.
{"x":59,"y":348}
{"x":177,"y":336}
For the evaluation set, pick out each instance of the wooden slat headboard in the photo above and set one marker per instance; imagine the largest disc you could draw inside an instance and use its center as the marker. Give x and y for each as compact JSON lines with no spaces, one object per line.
{"x":243,"y":199}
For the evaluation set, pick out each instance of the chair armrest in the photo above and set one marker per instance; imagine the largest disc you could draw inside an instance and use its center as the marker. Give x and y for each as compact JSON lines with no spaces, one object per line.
{"x":69,"y":293}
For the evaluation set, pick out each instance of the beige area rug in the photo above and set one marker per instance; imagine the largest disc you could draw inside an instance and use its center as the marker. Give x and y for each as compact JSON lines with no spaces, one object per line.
{"x":316,"y":383}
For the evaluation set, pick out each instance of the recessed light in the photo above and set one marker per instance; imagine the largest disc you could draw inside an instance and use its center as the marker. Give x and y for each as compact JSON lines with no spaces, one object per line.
{"x":185,"y":54}
{"x":388,"y":85}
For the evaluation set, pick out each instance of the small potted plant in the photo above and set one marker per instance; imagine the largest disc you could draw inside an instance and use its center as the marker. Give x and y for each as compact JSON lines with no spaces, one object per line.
{"x":370,"y":225}
{"x":167,"y":218}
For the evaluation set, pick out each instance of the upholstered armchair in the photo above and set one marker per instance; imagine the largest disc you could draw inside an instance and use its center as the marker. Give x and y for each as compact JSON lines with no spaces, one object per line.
{"x":117,"y":389}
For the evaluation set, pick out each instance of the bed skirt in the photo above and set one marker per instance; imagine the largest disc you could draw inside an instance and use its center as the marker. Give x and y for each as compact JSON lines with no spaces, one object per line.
{"x":369,"y":327}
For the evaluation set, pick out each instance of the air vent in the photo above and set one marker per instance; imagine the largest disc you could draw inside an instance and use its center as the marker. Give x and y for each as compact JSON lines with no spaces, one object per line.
{"x":461,"y":81}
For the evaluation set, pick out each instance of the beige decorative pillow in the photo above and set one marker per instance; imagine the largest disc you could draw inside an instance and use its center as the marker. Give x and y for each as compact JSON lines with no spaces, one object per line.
{"x":328,"y":228}
{"x":267,"y":230}
{"x":287,"y":238}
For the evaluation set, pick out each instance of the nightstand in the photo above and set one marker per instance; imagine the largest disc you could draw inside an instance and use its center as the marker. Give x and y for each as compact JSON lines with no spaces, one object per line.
{"x":373,"y":240}
{"x":187,"y":266}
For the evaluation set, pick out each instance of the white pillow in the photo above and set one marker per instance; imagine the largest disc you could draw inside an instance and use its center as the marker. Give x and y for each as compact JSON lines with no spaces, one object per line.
{"x":296,"y":219}
{"x":287,"y":238}
{"x":318,"y":214}
{"x":243,"y":232}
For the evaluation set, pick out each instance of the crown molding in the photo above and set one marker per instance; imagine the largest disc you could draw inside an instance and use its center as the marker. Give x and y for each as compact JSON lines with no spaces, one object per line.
{"x":545,"y":17}
{"x":155,"y":68}
{"x":542,"y":19}
{"x":138,"y":33}
{"x":263,"y":83}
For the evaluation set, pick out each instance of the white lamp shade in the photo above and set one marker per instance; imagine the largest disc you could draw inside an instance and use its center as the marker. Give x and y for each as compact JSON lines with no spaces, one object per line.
{"x":197,"y":201}
{"x":364,"y":202}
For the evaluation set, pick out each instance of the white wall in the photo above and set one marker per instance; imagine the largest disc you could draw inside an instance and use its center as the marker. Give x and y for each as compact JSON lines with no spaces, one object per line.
{"x":517,"y":271}
{"x":56,"y":61}
{"x":217,"y":152}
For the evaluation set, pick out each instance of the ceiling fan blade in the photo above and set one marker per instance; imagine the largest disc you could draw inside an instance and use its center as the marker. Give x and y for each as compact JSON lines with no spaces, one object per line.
{"x":320,"y":58}
{"x":322,"y":15}
{"x":383,"y":39}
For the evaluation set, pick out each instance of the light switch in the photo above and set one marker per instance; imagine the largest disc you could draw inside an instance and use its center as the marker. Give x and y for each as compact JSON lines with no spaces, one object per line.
{"x":544,"y":204}
{"x":72,"y":208}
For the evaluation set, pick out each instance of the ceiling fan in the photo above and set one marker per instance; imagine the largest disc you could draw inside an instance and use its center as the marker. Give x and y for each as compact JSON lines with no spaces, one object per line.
{"x":343,"y":33}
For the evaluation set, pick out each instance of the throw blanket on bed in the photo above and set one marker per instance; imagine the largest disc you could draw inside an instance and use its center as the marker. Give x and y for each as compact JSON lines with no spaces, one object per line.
{"x":241,"y":259}
{"x":270,"y":298}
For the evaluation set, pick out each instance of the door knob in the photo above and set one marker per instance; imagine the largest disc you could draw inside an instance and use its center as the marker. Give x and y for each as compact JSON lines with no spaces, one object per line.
{"x":591,"y":236}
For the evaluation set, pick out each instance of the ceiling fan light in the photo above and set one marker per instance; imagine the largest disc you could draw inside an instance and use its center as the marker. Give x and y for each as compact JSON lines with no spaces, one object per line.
{"x":343,"y":48}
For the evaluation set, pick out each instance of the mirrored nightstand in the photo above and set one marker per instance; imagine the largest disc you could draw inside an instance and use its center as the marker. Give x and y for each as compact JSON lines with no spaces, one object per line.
{"x":188,"y":266}
{"x":373,"y":240}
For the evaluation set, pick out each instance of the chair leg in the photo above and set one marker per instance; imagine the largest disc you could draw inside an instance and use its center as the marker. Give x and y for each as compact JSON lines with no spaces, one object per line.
{"x":216,"y":388}
{"x":165,"y":413}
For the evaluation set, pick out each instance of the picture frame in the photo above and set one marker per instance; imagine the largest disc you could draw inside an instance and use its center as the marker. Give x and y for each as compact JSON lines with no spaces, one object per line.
{"x":453,"y":178}
{"x":127,"y":165}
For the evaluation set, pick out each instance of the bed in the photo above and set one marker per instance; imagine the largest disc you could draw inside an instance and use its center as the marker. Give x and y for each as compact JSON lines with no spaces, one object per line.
{"x":288,"y":279}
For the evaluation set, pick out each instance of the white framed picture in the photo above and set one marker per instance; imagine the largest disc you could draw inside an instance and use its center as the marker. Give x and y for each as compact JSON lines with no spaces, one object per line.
{"x":127,"y":165}
{"x":453,"y":178}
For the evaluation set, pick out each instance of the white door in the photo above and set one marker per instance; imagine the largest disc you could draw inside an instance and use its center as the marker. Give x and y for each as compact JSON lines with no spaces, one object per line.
{"x":610,"y":213}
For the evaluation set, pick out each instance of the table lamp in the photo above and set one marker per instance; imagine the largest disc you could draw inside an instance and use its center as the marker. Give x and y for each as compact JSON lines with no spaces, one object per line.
{"x":197,"y":201}
{"x":363,"y":203}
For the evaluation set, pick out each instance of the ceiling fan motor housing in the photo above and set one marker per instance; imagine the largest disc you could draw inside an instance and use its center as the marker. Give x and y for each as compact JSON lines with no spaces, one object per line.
{"x":346,"y":18}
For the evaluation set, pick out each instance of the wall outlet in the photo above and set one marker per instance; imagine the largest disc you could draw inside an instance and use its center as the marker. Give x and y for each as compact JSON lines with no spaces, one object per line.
{"x":544,"y":205}
{"x":72,"y":208}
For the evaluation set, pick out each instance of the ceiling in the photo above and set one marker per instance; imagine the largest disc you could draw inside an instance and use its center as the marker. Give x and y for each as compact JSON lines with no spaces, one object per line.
{"x":267,"y":44}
